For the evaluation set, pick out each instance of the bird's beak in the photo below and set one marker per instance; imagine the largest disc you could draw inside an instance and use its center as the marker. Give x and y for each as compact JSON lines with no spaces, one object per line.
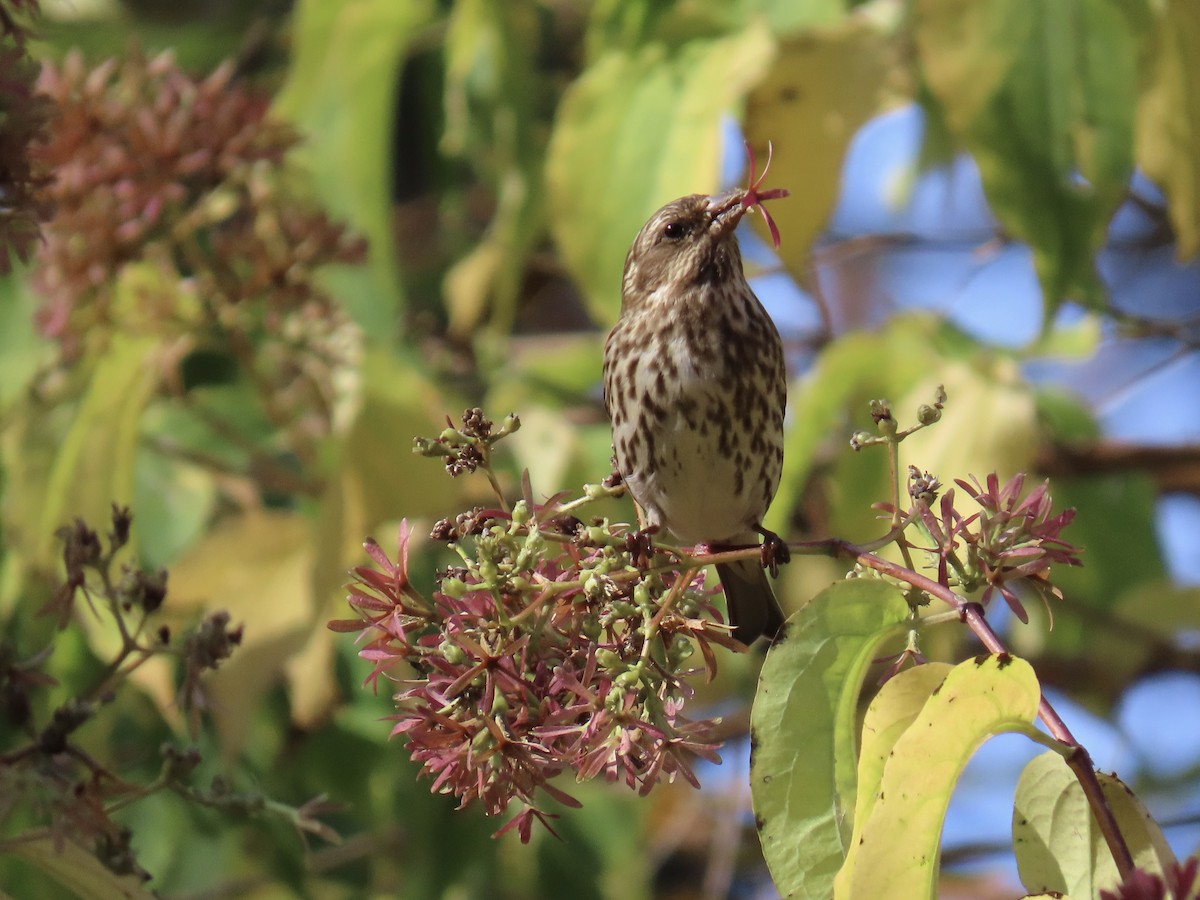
{"x":725,"y":211}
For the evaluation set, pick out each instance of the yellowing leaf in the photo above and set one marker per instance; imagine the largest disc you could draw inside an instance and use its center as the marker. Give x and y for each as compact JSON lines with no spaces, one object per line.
{"x":1168,"y":122}
{"x":825,"y":84}
{"x":1054,"y":141}
{"x":978,"y":699}
{"x":635,"y":131}
{"x":833,"y":395}
{"x":1058,"y":844}
{"x":77,"y":870}
{"x":312,"y":688}
{"x":259,"y":567}
{"x":891,"y":712}
{"x":377,"y":478}
{"x":966,"y":49}
{"x":802,"y":771}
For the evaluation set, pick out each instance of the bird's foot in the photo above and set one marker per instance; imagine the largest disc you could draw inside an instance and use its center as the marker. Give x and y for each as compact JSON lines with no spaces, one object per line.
{"x":774,"y":551}
{"x":640,"y":546}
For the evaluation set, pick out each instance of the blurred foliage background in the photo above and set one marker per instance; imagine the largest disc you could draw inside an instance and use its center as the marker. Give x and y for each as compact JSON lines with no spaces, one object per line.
{"x":314,"y":229}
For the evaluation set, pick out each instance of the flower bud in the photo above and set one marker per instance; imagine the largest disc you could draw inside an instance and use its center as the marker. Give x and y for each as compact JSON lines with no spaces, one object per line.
{"x":452,"y":653}
{"x":629,"y":680}
{"x":608,"y":660}
{"x":927,"y":414}
{"x":454,"y":588}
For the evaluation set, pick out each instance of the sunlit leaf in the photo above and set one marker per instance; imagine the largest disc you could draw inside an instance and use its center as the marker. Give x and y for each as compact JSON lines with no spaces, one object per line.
{"x":891,"y":712}
{"x":978,"y":699}
{"x":825,"y":83}
{"x":341,"y":92}
{"x":989,"y":422}
{"x":1168,"y":124}
{"x":635,"y":131}
{"x":788,"y":16}
{"x":803,"y":727}
{"x":1054,"y":141}
{"x":1058,"y":844}
{"x":374,"y":476}
{"x":258,"y":566}
{"x":967,"y":49}
{"x":539,"y":376}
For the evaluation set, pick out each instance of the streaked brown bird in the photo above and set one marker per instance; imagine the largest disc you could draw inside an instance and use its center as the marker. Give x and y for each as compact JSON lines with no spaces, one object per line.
{"x":695,"y":385}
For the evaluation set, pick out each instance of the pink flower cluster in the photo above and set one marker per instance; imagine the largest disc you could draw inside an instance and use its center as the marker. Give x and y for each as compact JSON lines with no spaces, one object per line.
{"x":1010,"y":540}
{"x":545,"y":653}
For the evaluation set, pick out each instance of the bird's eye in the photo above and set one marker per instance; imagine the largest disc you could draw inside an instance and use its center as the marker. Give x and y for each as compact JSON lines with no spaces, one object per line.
{"x":675,"y":230}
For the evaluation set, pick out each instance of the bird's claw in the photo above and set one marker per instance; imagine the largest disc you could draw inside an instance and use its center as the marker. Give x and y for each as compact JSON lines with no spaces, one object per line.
{"x":640,"y":546}
{"x":774,"y":551}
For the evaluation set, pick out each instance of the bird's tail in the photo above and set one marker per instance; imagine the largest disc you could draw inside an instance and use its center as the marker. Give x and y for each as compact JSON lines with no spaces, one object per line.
{"x":753,"y":609}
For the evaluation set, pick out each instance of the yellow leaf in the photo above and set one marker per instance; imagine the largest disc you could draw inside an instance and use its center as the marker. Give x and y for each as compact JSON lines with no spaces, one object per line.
{"x":258,"y":567}
{"x":978,"y":699}
{"x":1168,"y":122}
{"x":825,"y":84}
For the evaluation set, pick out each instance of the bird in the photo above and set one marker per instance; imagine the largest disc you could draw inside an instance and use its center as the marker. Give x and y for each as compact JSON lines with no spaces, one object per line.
{"x":695,"y":385}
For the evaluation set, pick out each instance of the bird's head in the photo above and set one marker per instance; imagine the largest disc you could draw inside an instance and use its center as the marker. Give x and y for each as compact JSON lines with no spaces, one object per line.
{"x":689,"y":242}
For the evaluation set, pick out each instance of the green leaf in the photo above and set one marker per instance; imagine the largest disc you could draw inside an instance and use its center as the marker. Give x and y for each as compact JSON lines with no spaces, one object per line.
{"x":174,"y":500}
{"x":94,"y":465}
{"x":492,"y":92}
{"x":978,"y":699}
{"x":1168,"y":123}
{"x":1058,"y":844}
{"x":1116,"y":559}
{"x":21,"y":348}
{"x":374,"y":477}
{"x":802,"y":770}
{"x":787,"y":16}
{"x":824,"y":84}
{"x":637,"y":130}
{"x":77,"y":870}
{"x":1054,"y":142}
{"x":341,"y":92}
{"x":1063,"y":416}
